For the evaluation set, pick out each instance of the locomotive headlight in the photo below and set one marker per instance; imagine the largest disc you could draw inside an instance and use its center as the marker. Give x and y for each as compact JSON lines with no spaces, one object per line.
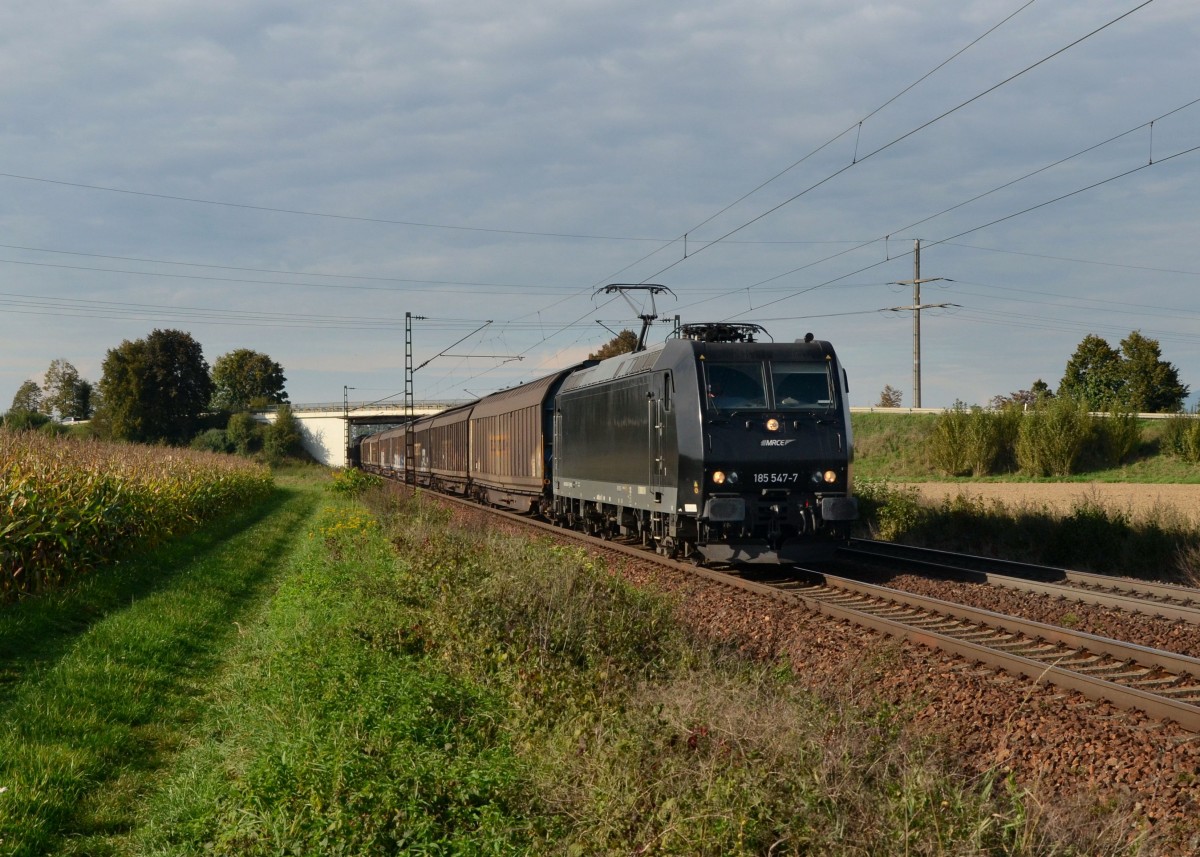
{"x":772,"y":424}
{"x":733,"y":477}
{"x":718,"y":477}
{"x":830,"y":476}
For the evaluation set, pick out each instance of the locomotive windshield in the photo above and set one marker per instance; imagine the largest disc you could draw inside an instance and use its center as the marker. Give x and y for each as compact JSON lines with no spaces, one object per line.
{"x":742,"y":386}
{"x":801,"y":385}
{"x":735,"y":386}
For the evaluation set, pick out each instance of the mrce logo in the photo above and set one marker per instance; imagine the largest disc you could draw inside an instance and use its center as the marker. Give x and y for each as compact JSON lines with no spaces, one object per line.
{"x":777,"y":442}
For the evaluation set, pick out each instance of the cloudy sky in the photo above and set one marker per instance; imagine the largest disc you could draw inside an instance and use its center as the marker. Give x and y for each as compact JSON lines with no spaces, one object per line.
{"x":293,"y":177}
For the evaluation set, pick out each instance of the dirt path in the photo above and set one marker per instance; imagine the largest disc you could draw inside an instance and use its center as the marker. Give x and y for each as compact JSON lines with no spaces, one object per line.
{"x":1137,"y":499}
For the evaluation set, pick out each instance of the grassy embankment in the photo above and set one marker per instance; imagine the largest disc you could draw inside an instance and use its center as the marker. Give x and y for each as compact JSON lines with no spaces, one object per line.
{"x":896,"y":446}
{"x":891,"y":449}
{"x":313,"y":679}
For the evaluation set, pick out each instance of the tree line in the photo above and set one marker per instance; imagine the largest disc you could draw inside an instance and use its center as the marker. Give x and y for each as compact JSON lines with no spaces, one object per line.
{"x":1133,"y":378}
{"x":160,"y":389}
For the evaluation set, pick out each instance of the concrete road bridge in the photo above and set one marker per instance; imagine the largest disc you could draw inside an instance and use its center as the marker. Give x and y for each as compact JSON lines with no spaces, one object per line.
{"x":327,"y":427}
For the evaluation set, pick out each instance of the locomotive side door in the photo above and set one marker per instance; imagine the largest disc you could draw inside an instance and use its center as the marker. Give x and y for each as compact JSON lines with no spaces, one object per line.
{"x":658,"y":405}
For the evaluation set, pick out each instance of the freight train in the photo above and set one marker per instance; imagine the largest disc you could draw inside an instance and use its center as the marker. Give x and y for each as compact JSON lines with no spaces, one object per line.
{"x":711,"y":446}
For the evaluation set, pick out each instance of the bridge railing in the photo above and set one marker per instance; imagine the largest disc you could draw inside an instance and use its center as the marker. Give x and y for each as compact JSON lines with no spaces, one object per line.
{"x":375,"y":407}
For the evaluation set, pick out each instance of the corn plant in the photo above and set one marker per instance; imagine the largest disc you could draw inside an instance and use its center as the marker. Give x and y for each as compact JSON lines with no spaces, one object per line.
{"x":69,"y":505}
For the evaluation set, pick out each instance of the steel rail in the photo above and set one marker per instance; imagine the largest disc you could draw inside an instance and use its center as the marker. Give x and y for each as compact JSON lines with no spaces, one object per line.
{"x":1167,"y":601}
{"x":1033,"y":630}
{"x":1094,"y":687}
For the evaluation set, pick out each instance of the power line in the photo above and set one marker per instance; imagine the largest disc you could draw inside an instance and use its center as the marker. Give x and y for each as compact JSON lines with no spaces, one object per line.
{"x":819,"y":149}
{"x":857,"y":160}
{"x":973,"y":229}
{"x":1123,"y":265}
{"x":616,"y":274}
{"x":319,"y":214}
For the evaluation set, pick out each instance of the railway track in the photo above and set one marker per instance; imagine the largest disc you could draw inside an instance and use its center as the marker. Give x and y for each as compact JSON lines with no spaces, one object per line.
{"x":1166,"y":601}
{"x":1164,"y":685}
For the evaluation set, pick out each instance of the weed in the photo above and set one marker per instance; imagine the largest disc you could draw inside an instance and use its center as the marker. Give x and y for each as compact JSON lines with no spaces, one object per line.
{"x":887,"y":511}
{"x":351,"y":481}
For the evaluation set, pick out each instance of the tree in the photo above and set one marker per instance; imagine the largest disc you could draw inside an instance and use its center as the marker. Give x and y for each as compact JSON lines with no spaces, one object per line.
{"x":65,"y":393}
{"x":1135,"y":378}
{"x":154,"y":389}
{"x":85,"y":400}
{"x":623,"y":343}
{"x":1023,"y":399}
{"x":28,"y":398}
{"x":890,"y":397}
{"x":1094,"y":374}
{"x":1151,"y":383}
{"x":243,"y":378}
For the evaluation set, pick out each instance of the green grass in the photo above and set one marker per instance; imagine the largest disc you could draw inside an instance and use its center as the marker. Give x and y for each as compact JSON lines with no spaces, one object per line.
{"x":331,"y":732}
{"x":101,"y":680}
{"x":314,"y":679}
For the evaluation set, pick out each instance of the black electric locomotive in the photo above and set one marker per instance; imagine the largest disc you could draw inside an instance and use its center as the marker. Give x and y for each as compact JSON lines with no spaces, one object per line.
{"x":711,"y":445}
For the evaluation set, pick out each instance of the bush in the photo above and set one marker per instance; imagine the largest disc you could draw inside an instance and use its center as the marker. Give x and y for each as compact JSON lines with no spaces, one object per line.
{"x":282,"y":438}
{"x":351,"y":481}
{"x":1052,"y":436}
{"x":244,"y":433}
{"x":974,"y":441}
{"x":888,"y":512}
{"x":948,"y":441}
{"x":1116,"y":436}
{"x":23,"y":420}
{"x":213,"y":440}
{"x":1181,"y":436}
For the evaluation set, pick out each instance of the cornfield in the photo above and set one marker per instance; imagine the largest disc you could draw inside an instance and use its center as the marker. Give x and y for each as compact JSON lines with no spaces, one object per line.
{"x":67,"y":505}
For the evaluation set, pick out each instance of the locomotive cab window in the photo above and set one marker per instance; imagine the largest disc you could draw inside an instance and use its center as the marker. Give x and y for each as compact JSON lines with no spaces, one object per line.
{"x":801,"y":385}
{"x":735,"y":386}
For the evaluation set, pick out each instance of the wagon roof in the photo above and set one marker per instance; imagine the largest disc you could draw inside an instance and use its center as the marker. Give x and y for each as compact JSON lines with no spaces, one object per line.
{"x":515,"y":398}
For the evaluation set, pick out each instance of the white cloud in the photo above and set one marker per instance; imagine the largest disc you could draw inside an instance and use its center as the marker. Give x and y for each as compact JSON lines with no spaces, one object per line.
{"x":603,"y":118}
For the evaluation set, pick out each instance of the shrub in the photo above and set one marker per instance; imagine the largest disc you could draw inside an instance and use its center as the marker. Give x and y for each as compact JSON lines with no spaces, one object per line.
{"x":948,"y":441}
{"x":23,"y":420}
{"x":973,"y":441}
{"x":1181,"y":436}
{"x":351,"y":481}
{"x":1052,"y":436}
{"x":244,"y":433}
{"x":989,"y":439}
{"x":213,"y":440}
{"x":1116,"y":436}
{"x":282,"y":438}
{"x":888,"y":512}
